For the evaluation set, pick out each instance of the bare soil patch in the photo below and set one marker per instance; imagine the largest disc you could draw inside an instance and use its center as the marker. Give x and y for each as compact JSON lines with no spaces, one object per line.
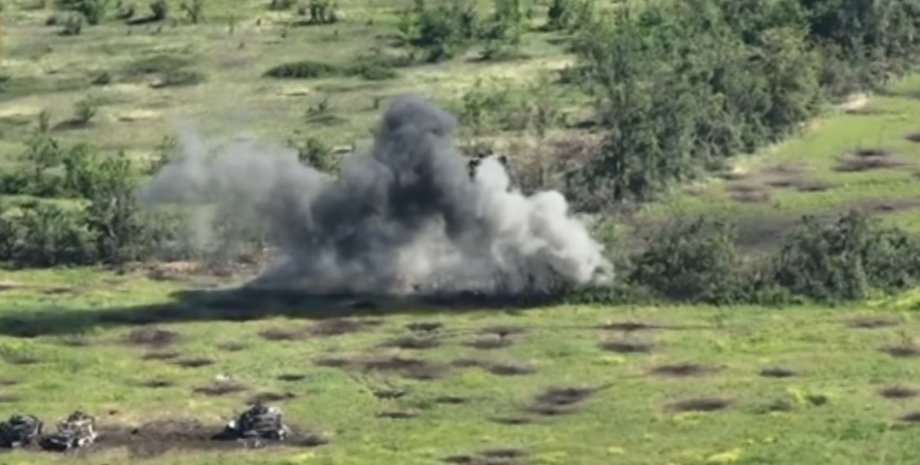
{"x":160,"y":355}
{"x":872,"y":322}
{"x":502,"y":330}
{"x":408,"y":367}
{"x":8,"y":381}
{"x":628,"y":326}
{"x":425,"y":326}
{"x":489,"y":342}
{"x":911,"y":417}
{"x":503,"y":456}
{"x":219,"y":388}
{"x":194,"y":361}
{"x":266,"y":397}
{"x":339,"y":326}
{"x":777,"y":372}
{"x":511,"y":369}
{"x":748,"y":193}
{"x":864,"y":159}
{"x":451,"y":399}
{"x":468,"y":363}
{"x":512,"y":420}
{"x":291,"y":377}
{"x":700,"y":404}
{"x":898,"y":391}
{"x":157,"y":437}
{"x":902,"y":350}
{"x":561,"y":400}
{"x":416,"y":342}
{"x":152,"y":336}
{"x":913,"y":137}
{"x":398,"y":414}
{"x":157,"y":383}
{"x":627,"y":345}
{"x":75,"y":341}
{"x":683,"y":369}
{"x":8,"y":398}
{"x":390,"y":393}
{"x":284,"y":334}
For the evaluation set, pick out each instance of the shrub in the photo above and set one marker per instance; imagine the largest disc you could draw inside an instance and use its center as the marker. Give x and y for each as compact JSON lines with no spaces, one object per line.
{"x":73,"y":25}
{"x":302,"y":70}
{"x":443,"y":31}
{"x":85,"y":110}
{"x":92,"y":10}
{"x":322,"y":12}
{"x":846,"y":259}
{"x":314,"y":152}
{"x":691,"y":260}
{"x":278,"y":5}
{"x":47,"y":235}
{"x":159,"y":10}
{"x":157,"y":64}
{"x":113,"y":216}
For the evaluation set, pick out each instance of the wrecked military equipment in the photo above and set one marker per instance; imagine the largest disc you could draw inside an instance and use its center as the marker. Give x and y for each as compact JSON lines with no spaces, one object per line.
{"x":20,"y":431}
{"x":258,"y":422}
{"x":76,"y":431}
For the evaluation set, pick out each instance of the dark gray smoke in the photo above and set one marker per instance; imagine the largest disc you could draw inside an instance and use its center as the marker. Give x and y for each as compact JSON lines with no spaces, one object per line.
{"x":404,"y":218}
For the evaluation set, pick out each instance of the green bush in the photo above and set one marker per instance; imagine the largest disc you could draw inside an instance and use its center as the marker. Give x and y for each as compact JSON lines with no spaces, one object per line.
{"x":85,"y":110}
{"x":846,"y":259}
{"x":302,"y":70}
{"x":92,"y":10}
{"x":314,"y":152}
{"x":46,"y":235}
{"x":73,"y":25}
{"x":691,"y":260}
{"x":280,"y":5}
{"x":159,"y":10}
{"x":194,"y":9}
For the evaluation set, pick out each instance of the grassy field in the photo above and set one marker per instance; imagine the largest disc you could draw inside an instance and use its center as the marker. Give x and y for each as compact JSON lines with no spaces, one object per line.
{"x":804,"y":385}
{"x":702,"y":385}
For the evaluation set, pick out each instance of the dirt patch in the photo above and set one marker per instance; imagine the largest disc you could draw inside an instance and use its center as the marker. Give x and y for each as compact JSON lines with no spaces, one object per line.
{"x":219,"y":388}
{"x":194,"y":362}
{"x":408,"y":367}
{"x":390,"y":394}
{"x":800,"y":184}
{"x":8,"y":398}
{"x":683,"y":369}
{"x":8,"y":381}
{"x":232,"y":346}
{"x":503,"y":456}
{"x":284,"y":334}
{"x":398,"y":414}
{"x":889,"y":205}
{"x":902,"y":350}
{"x":489,"y":342}
{"x":502,"y":330}
{"x":700,"y":404}
{"x":451,"y":400}
{"x":160,"y":355}
{"x":291,"y":377}
{"x":872,"y":322}
{"x":898,"y":391}
{"x":865,"y":159}
{"x":74,"y":341}
{"x":777,"y":372}
{"x":747,"y":193}
{"x":157,"y":383}
{"x":266,"y":397}
{"x":511,"y":369}
{"x":512,"y":420}
{"x":151,"y":336}
{"x":628,"y":326}
{"x":627,"y":345}
{"x":160,"y":436}
{"x":339,"y":326}
{"x":425,"y":326}
{"x":911,"y":417}
{"x":414,"y":342}
{"x":467,"y":363}
{"x":913,"y":137}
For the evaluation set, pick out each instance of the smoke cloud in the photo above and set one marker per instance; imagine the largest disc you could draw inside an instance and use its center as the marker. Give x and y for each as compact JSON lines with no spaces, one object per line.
{"x":404,"y":218}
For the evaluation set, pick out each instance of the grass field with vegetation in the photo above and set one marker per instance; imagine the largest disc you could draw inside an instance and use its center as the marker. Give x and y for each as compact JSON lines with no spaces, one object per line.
{"x":698,"y":385}
{"x":94,"y":318}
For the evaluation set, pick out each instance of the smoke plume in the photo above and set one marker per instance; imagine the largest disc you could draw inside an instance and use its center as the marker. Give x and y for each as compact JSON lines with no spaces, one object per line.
{"x":404,"y":218}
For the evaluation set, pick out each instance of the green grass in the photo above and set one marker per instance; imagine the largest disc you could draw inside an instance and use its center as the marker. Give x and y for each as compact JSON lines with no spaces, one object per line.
{"x":628,"y":423}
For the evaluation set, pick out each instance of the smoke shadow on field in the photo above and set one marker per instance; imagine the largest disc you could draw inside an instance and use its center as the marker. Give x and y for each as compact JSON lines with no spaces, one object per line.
{"x":244,"y":304}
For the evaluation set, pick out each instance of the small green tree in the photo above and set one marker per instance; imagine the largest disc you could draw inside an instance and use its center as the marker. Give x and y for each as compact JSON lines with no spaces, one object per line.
{"x":85,"y":110}
{"x":159,"y":10}
{"x":113,"y":215}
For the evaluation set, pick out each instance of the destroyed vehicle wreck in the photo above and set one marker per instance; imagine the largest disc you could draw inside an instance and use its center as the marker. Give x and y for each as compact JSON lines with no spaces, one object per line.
{"x":20,"y":431}
{"x":258,"y":422}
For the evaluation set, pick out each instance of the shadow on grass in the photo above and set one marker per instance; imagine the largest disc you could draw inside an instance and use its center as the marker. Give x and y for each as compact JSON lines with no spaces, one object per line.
{"x":243,"y":304}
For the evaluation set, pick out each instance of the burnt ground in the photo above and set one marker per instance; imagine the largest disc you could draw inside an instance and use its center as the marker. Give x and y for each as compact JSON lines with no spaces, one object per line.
{"x":178,"y":434}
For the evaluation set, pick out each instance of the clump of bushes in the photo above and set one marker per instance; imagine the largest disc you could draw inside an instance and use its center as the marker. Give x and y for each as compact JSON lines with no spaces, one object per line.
{"x":846,"y":259}
{"x":302,"y":70}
